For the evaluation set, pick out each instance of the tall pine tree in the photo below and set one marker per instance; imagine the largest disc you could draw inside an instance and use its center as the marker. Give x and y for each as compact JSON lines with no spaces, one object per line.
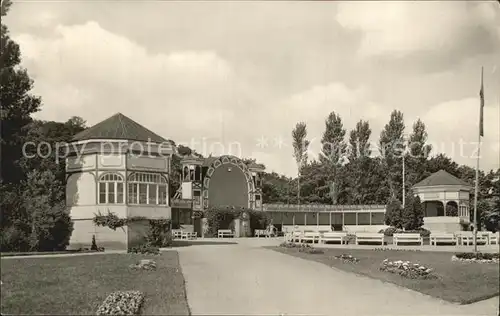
{"x":333,"y":153}
{"x":391,"y":148}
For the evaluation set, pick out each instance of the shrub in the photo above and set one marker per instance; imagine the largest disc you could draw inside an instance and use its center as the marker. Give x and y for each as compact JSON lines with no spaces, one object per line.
{"x":479,"y":255}
{"x":13,"y":238}
{"x":389,"y":231}
{"x":145,"y":249}
{"x":422,"y":231}
{"x":121,"y":303}
{"x":413,"y":214}
{"x":393,"y":214}
{"x":223,"y":217}
{"x":160,"y":234}
{"x":52,"y":227}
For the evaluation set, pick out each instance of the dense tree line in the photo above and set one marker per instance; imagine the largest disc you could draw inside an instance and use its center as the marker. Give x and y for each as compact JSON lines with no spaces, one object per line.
{"x":347,"y":172}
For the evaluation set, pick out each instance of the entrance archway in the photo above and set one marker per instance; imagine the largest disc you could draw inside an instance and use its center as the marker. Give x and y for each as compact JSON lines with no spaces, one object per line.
{"x":433,"y":208}
{"x":240,"y":179}
{"x":451,"y":208}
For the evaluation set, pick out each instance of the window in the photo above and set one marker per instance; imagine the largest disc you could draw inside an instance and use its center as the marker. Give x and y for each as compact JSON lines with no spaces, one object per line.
{"x":111,"y":189}
{"x":363,"y":218}
{"x":258,"y":202}
{"x":197,"y":197}
{"x":147,"y":188}
{"x":197,"y":175}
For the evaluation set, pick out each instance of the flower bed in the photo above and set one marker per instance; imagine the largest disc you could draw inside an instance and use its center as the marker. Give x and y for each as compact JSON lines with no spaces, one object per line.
{"x":477,"y":257}
{"x":121,"y":303}
{"x":289,"y":244}
{"x":309,"y":249}
{"x":407,"y":269}
{"x":396,"y":249}
{"x":145,"y":264}
{"x":347,"y":258}
{"x":145,"y":249}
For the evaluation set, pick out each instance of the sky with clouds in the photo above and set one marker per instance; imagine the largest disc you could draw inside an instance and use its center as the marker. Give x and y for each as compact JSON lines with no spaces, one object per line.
{"x":235,"y":77}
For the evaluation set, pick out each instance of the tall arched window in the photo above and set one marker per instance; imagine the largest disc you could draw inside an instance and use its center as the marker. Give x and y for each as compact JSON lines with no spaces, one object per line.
{"x":147,"y":188}
{"x":111,"y":189}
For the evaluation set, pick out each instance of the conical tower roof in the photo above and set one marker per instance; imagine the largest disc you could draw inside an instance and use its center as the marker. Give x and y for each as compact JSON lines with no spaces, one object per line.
{"x":121,"y":127}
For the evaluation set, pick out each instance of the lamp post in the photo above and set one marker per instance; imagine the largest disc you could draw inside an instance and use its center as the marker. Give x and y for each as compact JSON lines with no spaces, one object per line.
{"x":403,"y":175}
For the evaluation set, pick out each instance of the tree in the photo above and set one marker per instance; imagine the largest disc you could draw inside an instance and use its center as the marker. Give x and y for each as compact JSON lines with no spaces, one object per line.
{"x":363,"y":172}
{"x":50,"y":223}
{"x":491,"y":219}
{"x":393,"y":214}
{"x":16,"y":104}
{"x":483,"y":209}
{"x":413,"y":214}
{"x":300,"y":147}
{"x":418,"y":153}
{"x":391,"y":147}
{"x":440,"y":162}
{"x":359,"y":141}
{"x":333,"y":144}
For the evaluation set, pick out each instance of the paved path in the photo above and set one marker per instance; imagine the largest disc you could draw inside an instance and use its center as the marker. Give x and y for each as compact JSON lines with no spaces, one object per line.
{"x":247,"y":279}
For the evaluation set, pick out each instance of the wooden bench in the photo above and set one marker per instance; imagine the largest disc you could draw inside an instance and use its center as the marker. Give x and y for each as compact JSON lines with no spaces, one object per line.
{"x":176,"y":233}
{"x":222,"y":233}
{"x":443,"y":238}
{"x":311,"y":236}
{"x":407,"y":238}
{"x":369,"y":237}
{"x":467,"y":238}
{"x":334,"y":236}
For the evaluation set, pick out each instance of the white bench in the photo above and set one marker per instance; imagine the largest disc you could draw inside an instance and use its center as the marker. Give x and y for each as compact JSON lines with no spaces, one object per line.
{"x":334,"y":236}
{"x":189,"y":235}
{"x":407,"y":238}
{"x":297,"y":236}
{"x":444,"y":238}
{"x":177,"y":233}
{"x":222,"y":233}
{"x":369,"y":237}
{"x":467,"y":238}
{"x":493,"y":238}
{"x":260,"y":232}
{"x":311,"y":236}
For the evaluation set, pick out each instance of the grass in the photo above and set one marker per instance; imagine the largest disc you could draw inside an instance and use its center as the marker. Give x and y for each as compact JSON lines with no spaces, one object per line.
{"x":77,"y":285}
{"x":457,"y":282}
{"x":38,"y":253}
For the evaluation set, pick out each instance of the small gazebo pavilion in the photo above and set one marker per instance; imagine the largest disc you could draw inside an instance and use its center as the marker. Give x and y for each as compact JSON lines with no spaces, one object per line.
{"x":445,"y":200}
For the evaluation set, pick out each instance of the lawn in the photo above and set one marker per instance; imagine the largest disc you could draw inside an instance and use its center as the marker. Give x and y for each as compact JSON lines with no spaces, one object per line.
{"x":457,"y":282}
{"x":79,"y":284}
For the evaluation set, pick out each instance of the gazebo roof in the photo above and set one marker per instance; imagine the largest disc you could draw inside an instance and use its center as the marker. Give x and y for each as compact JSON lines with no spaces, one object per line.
{"x":441,"y":178}
{"x":120,"y":127}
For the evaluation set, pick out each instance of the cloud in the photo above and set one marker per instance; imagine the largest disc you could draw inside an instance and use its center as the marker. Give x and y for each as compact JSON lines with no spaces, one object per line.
{"x":86,"y":70}
{"x":400,"y":29}
{"x":187,"y":76}
{"x":453,"y":130}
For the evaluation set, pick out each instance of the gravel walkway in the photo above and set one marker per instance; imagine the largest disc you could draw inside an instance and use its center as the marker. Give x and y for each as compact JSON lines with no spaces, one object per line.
{"x":247,"y":279}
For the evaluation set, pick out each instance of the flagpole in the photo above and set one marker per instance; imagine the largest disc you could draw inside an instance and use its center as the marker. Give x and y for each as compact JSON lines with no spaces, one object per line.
{"x":480,"y":132}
